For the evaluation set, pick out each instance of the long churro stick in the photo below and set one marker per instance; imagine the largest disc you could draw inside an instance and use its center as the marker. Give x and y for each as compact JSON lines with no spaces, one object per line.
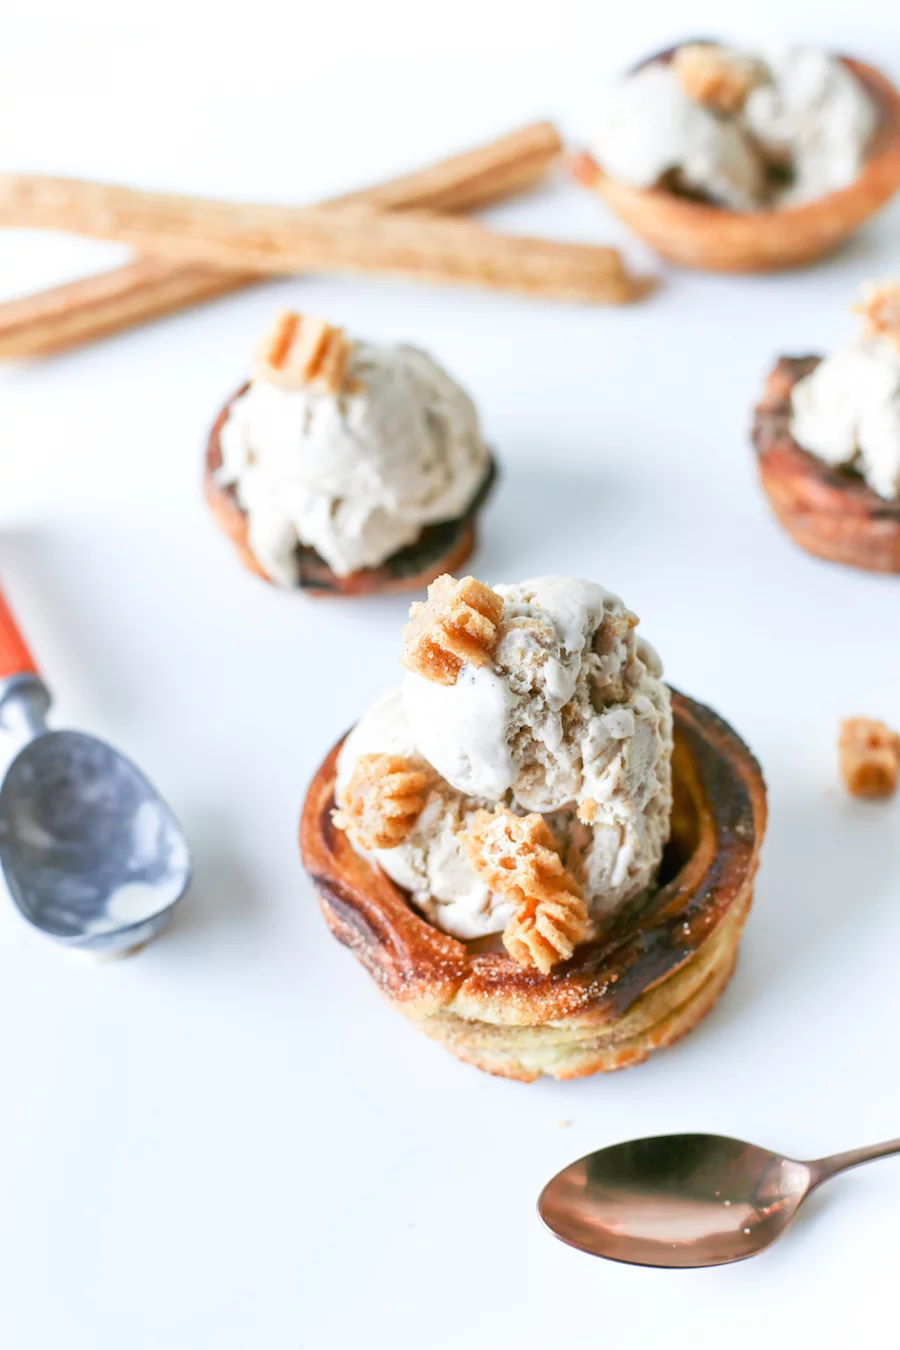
{"x":123,"y":297}
{"x":344,"y":239}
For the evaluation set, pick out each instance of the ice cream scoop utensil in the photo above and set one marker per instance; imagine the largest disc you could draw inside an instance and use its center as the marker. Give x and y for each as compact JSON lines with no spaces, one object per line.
{"x":90,"y":852}
{"x":682,"y":1200}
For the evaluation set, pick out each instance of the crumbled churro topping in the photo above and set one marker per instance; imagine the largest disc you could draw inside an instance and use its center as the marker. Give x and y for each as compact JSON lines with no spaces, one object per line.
{"x":870,"y":758}
{"x":457,"y":625}
{"x":517,"y":857}
{"x":880,"y":309}
{"x":716,"y":77}
{"x":383,"y":800}
{"x":300,"y":352}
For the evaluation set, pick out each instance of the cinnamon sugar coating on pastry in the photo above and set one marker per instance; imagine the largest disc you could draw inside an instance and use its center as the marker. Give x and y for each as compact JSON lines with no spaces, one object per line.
{"x":457,"y":625}
{"x":517,"y":857}
{"x":881,"y":311}
{"x":300,"y":351}
{"x":870,"y":758}
{"x":383,"y":800}
{"x":716,"y":77}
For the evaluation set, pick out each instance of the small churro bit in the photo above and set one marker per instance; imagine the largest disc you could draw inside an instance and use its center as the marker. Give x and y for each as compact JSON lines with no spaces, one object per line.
{"x":300,"y":352}
{"x":587,"y":811}
{"x":457,"y":625}
{"x":517,"y":857}
{"x":383,"y":800}
{"x":881,"y":310}
{"x":716,"y":77}
{"x":870,"y":758}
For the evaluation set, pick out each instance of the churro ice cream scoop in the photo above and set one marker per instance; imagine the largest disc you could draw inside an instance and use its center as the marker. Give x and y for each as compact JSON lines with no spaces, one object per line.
{"x":847,"y":410}
{"x":744,"y":130}
{"x":350,"y":451}
{"x":532,"y":700}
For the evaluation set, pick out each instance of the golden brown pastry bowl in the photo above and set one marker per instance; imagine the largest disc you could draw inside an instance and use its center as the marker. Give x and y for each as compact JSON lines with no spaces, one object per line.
{"x":646,"y":981}
{"x":440,"y":548}
{"x":697,"y":234}
{"x":831,"y":512}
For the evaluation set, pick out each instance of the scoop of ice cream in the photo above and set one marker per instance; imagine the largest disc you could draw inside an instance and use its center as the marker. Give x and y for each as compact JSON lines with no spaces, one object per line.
{"x":567,"y":679}
{"x":805,"y":115}
{"x":650,"y":127}
{"x":356,"y":474}
{"x":569,"y":718}
{"x":431,"y":863}
{"x":814,"y":114}
{"x":847,"y":411}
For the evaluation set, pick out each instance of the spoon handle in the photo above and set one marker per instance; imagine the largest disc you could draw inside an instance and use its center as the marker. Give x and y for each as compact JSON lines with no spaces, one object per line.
{"x":823,"y":1168}
{"x":15,"y":658}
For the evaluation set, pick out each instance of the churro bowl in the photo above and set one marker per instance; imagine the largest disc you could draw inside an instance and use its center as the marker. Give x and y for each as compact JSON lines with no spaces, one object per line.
{"x":698,"y":234}
{"x":638,"y":987}
{"x":829,"y":511}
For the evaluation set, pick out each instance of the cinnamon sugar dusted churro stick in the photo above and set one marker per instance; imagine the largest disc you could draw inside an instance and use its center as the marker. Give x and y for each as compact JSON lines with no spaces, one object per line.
{"x":69,"y":315}
{"x":80,"y":311}
{"x":343,"y":239}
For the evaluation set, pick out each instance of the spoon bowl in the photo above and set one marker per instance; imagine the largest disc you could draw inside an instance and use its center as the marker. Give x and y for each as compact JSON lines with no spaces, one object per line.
{"x":677,"y":1200}
{"x":91,"y":853}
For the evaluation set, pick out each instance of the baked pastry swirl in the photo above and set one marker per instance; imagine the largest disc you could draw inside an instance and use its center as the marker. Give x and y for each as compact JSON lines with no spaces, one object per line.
{"x":546,"y":971}
{"x":828,"y":509}
{"x":647,"y":981}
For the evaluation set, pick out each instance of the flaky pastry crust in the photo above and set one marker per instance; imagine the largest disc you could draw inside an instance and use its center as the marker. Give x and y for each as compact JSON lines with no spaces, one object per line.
{"x":641,"y":985}
{"x":831,"y":512}
{"x":697,"y":234}
{"x":518,"y":858}
{"x":446,"y":547}
{"x":458,"y":624}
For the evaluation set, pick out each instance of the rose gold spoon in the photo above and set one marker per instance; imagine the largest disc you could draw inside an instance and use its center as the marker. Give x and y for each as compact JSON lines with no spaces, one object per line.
{"x":683,"y":1200}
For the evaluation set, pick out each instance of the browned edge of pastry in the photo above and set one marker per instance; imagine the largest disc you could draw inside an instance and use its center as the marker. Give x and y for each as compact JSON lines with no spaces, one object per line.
{"x":697,"y":234}
{"x":718,"y":823}
{"x":831,"y":512}
{"x":440,"y":548}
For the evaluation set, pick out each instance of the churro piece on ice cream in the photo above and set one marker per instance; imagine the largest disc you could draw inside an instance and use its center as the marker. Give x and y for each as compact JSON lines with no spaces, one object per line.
{"x":718,"y":77}
{"x":455,"y":625}
{"x":382,"y":800}
{"x":301,"y":351}
{"x":517,"y":856}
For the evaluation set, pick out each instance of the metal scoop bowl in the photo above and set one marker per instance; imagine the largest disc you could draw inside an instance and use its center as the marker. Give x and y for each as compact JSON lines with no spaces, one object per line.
{"x":91,"y":854}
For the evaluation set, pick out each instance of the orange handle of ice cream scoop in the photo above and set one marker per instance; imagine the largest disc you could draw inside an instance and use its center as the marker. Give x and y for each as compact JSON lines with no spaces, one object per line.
{"x":15,"y":658}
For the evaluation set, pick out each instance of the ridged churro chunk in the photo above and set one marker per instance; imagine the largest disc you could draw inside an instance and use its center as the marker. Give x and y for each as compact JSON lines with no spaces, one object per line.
{"x":300,"y":352}
{"x":517,"y":857}
{"x":457,"y":625}
{"x":881,"y":310}
{"x":870,"y":758}
{"x":383,"y":800}
{"x":716,"y":77}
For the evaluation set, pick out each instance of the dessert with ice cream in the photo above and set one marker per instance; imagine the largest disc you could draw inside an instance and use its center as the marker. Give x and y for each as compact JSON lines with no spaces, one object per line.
{"x":543,"y":856}
{"x":347,"y":467}
{"x":827,"y":434}
{"x":720,"y":157}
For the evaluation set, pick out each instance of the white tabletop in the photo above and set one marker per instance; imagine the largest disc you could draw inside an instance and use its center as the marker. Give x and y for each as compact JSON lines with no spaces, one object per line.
{"x":229,"y":1140}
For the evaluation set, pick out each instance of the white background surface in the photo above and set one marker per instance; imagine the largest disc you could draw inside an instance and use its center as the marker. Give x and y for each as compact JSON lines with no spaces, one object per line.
{"x":229,"y":1141}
